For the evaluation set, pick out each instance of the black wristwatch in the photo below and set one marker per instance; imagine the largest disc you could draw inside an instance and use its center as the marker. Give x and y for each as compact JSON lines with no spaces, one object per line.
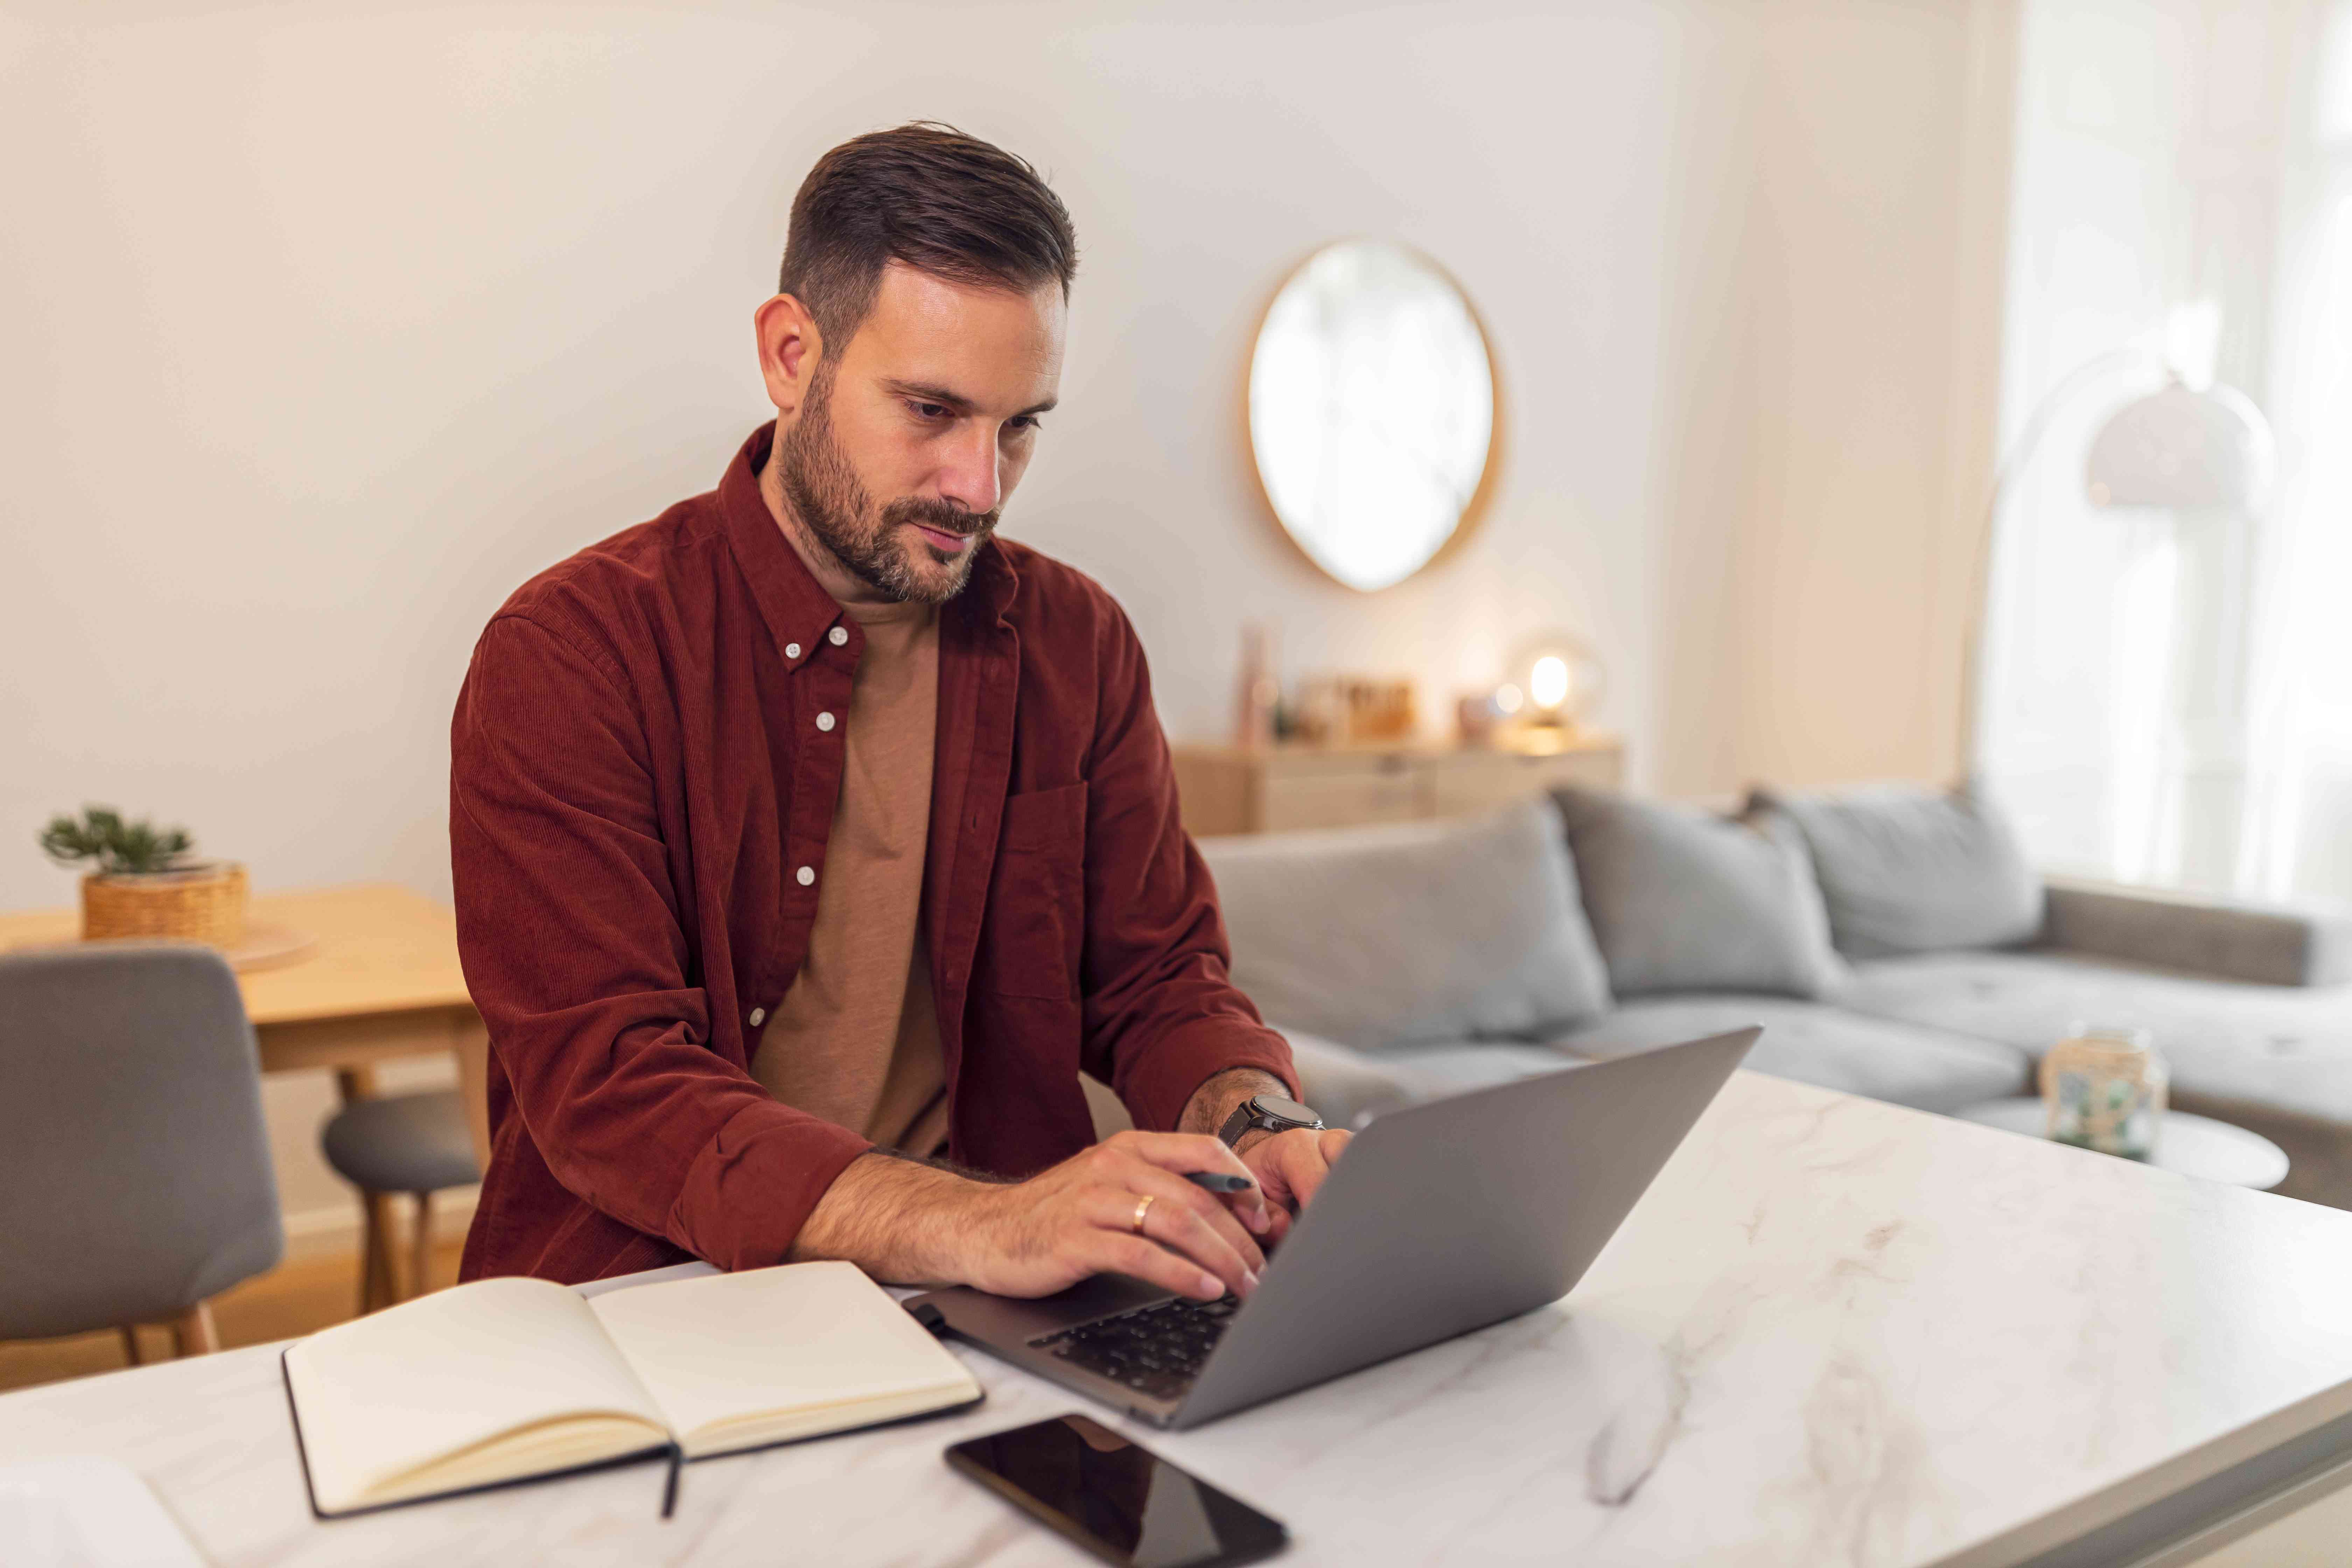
{"x":1270,"y":1112}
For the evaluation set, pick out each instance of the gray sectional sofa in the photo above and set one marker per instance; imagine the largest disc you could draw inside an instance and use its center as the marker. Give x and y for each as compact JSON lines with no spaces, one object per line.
{"x":1891,"y":942}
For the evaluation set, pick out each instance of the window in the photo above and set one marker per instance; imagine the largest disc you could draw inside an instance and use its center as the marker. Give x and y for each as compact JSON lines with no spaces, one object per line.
{"x":2168,"y":696}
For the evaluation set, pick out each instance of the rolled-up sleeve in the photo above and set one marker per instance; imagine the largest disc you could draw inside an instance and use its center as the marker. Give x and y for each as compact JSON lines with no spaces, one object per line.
{"x":1162,"y":1015}
{"x":578,"y":955}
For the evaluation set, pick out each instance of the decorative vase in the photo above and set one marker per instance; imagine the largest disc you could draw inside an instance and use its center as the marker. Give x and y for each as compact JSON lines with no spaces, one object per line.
{"x":2105,"y":1087}
{"x":201,"y":902}
{"x":1259,"y":695}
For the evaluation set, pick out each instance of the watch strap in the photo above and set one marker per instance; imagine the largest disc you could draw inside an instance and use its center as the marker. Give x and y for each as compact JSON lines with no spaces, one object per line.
{"x":1249,"y":1114}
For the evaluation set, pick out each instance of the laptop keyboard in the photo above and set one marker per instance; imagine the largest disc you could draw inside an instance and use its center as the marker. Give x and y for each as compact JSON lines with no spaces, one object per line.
{"x":1157,"y":1350}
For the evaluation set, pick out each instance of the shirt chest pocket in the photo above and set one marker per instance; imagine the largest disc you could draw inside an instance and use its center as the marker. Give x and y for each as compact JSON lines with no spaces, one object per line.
{"x":1036,"y":918}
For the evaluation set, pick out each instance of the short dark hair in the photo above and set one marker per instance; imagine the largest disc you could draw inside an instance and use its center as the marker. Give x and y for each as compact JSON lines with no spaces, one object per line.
{"x":932,"y":198}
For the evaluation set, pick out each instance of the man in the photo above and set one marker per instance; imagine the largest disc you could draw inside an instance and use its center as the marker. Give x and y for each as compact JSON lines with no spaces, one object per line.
{"x":810,"y":840}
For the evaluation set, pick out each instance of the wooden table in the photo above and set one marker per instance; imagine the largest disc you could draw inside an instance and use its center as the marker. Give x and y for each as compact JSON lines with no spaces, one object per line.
{"x":383,"y":983}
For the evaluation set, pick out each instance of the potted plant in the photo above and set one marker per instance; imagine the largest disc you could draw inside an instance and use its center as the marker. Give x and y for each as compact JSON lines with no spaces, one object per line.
{"x":144,"y":881}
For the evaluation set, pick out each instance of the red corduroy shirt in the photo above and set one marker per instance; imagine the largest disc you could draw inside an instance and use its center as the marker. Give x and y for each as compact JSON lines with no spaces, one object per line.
{"x":639,"y":797}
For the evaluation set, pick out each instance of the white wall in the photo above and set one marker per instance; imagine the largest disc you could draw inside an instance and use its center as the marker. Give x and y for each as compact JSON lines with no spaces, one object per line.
{"x":1869,"y":294}
{"x":332,"y":323}
{"x":349,"y":318}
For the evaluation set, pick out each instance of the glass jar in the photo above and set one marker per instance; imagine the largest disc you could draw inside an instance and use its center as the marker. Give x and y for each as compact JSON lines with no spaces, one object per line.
{"x":2105,"y":1086}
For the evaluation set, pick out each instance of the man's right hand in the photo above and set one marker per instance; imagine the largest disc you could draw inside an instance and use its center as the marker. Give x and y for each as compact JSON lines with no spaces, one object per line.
{"x":909,"y":1224}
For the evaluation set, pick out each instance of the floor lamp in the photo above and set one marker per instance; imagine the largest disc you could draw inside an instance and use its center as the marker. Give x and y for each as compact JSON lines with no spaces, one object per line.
{"x":2177,"y":449}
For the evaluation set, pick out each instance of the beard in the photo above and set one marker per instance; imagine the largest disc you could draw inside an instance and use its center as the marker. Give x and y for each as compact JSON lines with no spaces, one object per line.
{"x":873,"y":545}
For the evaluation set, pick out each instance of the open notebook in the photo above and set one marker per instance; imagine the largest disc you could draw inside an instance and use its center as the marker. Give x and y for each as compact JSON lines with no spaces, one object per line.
{"x":506,"y":1379}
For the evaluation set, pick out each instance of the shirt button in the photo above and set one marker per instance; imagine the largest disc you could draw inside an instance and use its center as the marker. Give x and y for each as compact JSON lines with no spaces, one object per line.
{"x":805,"y":876}
{"x":825,"y":720}
{"x":792,"y":650}
{"x":759,"y":1016}
{"x":838,"y":636}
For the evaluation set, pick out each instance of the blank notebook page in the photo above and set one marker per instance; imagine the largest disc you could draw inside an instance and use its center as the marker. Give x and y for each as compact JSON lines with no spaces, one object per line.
{"x":385,"y":1393}
{"x":801,"y":1337}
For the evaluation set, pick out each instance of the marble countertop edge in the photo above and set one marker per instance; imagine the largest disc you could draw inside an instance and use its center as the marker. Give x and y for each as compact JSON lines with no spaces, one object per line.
{"x":2152,"y":1484}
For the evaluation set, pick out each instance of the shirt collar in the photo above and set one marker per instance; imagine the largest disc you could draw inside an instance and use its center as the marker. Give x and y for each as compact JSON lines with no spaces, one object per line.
{"x":798,"y":610}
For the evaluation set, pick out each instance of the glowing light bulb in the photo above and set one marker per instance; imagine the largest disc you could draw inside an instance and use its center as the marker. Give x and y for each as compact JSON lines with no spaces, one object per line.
{"x":1548,"y":683}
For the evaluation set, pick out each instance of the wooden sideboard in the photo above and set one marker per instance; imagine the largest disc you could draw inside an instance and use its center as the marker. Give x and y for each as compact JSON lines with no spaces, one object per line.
{"x":1238,"y":789}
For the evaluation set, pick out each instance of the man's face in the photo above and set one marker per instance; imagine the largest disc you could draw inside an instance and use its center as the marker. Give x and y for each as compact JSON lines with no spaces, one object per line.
{"x":911,"y":436}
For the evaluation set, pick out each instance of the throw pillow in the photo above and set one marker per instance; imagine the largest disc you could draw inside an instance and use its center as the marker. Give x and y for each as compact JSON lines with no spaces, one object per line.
{"x":1351,"y":1088}
{"x":1908,"y":869}
{"x":1412,"y":933}
{"x":1683,"y":900}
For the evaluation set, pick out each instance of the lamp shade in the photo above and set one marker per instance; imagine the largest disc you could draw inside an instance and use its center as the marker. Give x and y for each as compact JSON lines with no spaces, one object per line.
{"x":1555,"y":679}
{"x":2184,"y":449}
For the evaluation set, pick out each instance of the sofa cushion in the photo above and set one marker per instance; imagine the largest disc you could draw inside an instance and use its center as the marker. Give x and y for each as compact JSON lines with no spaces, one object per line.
{"x":1683,"y":900}
{"x":1419,"y":933}
{"x":1475,"y":1064}
{"x":1351,"y":1087}
{"x":1928,"y":1069}
{"x":2289,"y":1048}
{"x":1905,"y":870}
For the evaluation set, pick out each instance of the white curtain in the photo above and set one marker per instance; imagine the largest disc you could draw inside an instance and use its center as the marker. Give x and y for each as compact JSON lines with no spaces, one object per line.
{"x":2169,"y":697}
{"x":2299,"y":808}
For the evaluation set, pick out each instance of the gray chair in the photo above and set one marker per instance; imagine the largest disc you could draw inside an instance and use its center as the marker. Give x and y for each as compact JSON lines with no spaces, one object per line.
{"x":135,"y":1180}
{"x":415,"y":1144}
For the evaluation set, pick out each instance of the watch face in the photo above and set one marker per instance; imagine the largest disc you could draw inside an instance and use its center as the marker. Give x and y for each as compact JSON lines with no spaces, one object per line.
{"x":1287,"y":1110}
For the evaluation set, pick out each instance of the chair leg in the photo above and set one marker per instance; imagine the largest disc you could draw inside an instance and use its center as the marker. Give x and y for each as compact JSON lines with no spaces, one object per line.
{"x":420,"y":1268}
{"x":193,"y":1333}
{"x":129,"y":1332}
{"x":378,"y":1288}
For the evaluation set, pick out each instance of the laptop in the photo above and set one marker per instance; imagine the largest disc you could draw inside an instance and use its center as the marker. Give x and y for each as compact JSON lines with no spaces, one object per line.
{"x":1441,"y":1218}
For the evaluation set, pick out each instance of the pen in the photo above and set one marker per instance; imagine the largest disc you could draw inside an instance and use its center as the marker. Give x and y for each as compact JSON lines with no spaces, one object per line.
{"x":1218,"y":1182}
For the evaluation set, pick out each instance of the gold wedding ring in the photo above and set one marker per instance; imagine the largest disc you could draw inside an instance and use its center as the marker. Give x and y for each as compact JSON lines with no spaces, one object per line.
{"x":1142,"y":1207}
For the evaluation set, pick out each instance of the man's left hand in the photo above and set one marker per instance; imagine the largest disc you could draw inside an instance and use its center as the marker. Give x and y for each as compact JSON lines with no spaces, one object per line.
{"x":1289,"y":1166}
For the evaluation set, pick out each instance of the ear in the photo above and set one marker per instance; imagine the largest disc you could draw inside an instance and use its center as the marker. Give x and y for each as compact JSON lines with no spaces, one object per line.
{"x":790,"y":350}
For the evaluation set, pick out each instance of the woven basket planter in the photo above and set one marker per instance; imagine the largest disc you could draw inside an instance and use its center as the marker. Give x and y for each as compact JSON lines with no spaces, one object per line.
{"x":199,"y":903}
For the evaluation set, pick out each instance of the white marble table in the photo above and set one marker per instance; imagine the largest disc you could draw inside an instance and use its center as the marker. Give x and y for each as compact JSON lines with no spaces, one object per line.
{"x":1833,"y":1333}
{"x":2193,"y":1145}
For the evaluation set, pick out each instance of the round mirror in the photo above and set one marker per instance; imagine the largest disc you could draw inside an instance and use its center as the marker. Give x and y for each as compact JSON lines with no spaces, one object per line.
{"x":1372,"y":405}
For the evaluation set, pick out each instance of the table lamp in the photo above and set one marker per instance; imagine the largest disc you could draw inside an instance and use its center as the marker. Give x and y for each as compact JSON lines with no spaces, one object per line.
{"x":1555,"y":683}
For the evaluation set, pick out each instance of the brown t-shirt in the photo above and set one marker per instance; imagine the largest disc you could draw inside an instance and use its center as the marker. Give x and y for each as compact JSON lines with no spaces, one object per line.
{"x":855,"y":1040}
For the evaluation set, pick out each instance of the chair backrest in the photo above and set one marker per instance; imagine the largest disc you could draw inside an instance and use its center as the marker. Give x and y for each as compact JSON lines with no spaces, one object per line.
{"x":135,"y":1169}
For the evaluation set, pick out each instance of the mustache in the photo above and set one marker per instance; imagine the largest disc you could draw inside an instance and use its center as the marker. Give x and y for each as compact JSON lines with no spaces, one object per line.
{"x":943,"y":515}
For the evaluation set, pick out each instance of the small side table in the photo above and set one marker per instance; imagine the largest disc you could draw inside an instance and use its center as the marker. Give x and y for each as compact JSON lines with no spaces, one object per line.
{"x":2191,"y":1145}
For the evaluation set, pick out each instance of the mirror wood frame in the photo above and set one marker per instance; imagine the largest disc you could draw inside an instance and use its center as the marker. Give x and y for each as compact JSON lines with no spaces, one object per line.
{"x":1482,"y":495}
